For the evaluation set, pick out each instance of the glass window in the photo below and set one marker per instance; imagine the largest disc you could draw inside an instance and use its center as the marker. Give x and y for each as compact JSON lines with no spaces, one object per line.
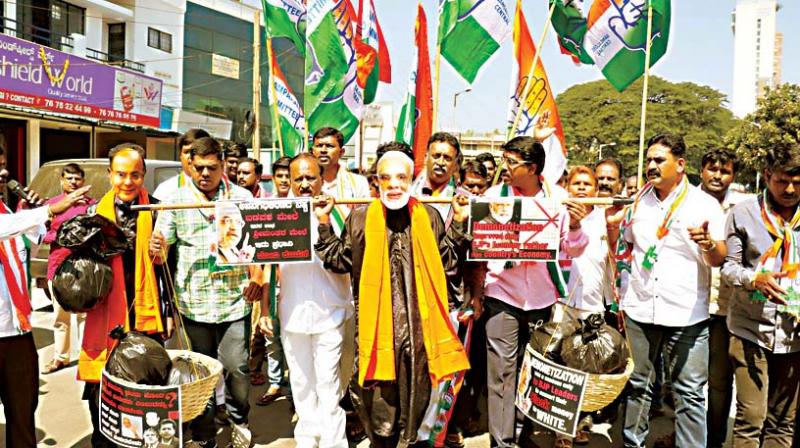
{"x":159,"y":39}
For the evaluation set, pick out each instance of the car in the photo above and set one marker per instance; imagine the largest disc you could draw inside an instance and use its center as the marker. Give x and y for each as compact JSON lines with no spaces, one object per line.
{"x":47,"y":183}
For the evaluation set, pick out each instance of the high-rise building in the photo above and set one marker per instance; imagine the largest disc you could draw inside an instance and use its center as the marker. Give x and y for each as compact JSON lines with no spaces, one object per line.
{"x":757,"y":52}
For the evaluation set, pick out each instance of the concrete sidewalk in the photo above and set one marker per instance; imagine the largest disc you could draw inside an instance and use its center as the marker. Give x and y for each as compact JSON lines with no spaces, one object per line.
{"x":62,"y":418}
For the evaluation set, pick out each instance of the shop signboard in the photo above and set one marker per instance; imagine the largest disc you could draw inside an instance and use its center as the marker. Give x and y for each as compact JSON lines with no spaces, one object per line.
{"x":36,"y":77}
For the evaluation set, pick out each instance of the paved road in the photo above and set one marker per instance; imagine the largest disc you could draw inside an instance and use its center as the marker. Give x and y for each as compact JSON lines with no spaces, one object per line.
{"x":63,"y":419}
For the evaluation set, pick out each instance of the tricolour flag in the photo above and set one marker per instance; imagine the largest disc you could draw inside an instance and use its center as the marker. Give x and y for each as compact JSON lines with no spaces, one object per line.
{"x":613,"y":35}
{"x":369,"y":32}
{"x":471,"y":32}
{"x":332,"y":94}
{"x":291,"y":122}
{"x":415,"y":124}
{"x":539,"y":99}
{"x":286,"y":18}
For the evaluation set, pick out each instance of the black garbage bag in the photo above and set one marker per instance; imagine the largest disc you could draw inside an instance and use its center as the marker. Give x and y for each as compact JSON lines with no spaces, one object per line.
{"x":81,"y":282}
{"x":92,"y":234}
{"x":548,"y":338}
{"x":595,"y":348}
{"x":186,"y":370}
{"x":138,"y":359}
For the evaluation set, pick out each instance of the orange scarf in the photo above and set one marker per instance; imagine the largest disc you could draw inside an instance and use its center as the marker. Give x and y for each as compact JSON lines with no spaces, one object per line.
{"x":97,"y":344}
{"x":445,"y":352}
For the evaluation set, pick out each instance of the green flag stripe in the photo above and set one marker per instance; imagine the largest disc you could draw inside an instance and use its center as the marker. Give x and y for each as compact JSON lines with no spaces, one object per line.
{"x":467,"y":47}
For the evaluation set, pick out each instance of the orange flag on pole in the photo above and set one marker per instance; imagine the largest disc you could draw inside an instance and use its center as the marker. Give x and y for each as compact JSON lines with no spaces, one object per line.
{"x":538,"y":99}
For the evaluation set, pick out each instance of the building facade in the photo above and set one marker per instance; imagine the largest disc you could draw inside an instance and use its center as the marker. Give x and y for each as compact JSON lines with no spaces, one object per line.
{"x":757,"y":53}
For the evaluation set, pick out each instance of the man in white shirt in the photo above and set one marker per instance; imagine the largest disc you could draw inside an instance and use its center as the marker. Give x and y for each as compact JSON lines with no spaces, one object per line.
{"x":676,"y":233}
{"x":167,"y":189}
{"x":19,"y":365}
{"x":313,"y":307}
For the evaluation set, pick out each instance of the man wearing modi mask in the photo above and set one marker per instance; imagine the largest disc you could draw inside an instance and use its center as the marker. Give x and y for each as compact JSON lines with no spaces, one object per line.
{"x":405,"y":340}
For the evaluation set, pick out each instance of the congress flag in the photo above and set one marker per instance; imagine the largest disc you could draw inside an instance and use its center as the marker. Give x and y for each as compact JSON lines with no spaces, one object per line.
{"x":286,"y":18}
{"x":291,"y":122}
{"x":369,"y":33}
{"x":471,"y":32}
{"x":415,"y":124}
{"x":539,"y":99}
{"x":613,"y":35}
{"x":332,"y":94}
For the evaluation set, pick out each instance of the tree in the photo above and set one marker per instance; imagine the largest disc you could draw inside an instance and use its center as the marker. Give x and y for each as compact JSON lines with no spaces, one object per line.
{"x":594,"y":113}
{"x":775,"y":120}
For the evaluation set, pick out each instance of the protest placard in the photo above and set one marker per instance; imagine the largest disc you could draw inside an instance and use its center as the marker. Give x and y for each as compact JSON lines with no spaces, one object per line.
{"x":263,"y":231}
{"x":144,"y":416}
{"x":514,"y":228}
{"x":549,"y":393}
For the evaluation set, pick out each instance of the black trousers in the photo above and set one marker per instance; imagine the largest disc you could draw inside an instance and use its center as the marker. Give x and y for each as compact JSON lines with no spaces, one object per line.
{"x":19,"y":388}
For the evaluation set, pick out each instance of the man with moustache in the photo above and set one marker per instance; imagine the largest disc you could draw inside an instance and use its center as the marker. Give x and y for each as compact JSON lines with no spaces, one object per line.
{"x":441,"y":166}
{"x":214,"y":301}
{"x":248,"y":175}
{"x":719,"y":167}
{"x":167,"y":189}
{"x":280,"y":176}
{"x":233,"y":153}
{"x":314,"y":305}
{"x":675,"y":233}
{"x":328,"y":148}
{"x":405,"y":338}
{"x":137,"y":302}
{"x":762,"y":267}
{"x":474,"y":178}
{"x":608,"y":173}
{"x":631,"y":186}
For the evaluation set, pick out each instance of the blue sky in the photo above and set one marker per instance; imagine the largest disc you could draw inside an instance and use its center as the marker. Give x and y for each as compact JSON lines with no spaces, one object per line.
{"x":700,"y":51}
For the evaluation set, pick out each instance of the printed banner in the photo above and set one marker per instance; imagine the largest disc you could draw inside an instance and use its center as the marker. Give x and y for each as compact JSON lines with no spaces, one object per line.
{"x":514,"y":228}
{"x":41,"y":78}
{"x":549,"y":393}
{"x":263,"y":231}
{"x":145,"y":416}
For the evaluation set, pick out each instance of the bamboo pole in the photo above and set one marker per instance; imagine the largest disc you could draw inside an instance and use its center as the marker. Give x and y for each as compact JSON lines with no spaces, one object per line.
{"x":436,"y":67}
{"x":276,"y":124}
{"x":639,"y":179}
{"x":531,"y":72}
{"x":256,"y":84}
{"x":357,"y":201}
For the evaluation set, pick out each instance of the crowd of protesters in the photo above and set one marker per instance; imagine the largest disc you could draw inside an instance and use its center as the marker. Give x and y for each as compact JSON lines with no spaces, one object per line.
{"x":361,"y":338}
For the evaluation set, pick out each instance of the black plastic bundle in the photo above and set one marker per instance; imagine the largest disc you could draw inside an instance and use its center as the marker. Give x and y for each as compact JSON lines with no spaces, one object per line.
{"x":81,"y":282}
{"x":83,"y":279}
{"x":548,"y":338}
{"x":138,"y":359}
{"x":595,"y":348}
{"x":186,"y":370}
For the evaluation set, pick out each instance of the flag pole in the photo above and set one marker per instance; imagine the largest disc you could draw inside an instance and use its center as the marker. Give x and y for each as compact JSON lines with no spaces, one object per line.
{"x":257,"y":84}
{"x":276,"y":123}
{"x":436,"y":65}
{"x":536,"y":57}
{"x":646,"y":83}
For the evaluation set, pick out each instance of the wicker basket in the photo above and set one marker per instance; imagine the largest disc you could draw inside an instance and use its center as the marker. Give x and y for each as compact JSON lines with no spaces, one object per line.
{"x":601,"y":390}
{"x":194,"y":395}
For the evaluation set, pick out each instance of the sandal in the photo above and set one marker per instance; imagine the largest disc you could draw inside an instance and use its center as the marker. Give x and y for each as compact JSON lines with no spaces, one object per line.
{"x":562,"y":442}
{"x":272,"y":394}
{"x":454,"y":440}
{"x":257,"y":378}
{"x":581,"y":437}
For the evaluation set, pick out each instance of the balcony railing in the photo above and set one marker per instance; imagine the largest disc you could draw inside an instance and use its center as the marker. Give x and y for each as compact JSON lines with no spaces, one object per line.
{"x":36,"y":34}
{"x":61,"y":42}
{"x":101,"y":56}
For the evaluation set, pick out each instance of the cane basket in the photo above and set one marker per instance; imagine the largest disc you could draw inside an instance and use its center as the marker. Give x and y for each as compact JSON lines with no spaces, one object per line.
{"x":602,"y":389}
{"x":194,"y":395}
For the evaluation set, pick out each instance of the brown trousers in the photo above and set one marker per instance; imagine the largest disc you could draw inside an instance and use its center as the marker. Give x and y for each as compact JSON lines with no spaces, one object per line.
{"x":766,"y":395}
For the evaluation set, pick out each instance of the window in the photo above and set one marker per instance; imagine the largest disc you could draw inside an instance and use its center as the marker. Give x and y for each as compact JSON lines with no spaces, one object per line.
{"x":159,"y":39}
{"x":67,"y":18}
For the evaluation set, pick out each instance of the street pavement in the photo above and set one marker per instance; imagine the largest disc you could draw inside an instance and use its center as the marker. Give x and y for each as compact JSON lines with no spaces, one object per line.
{"x":62,"y":418}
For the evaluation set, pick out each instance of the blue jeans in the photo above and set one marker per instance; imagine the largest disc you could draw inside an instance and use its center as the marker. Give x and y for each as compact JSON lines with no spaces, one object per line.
{"x":228,"y":343}
{"x":685,"y":351}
